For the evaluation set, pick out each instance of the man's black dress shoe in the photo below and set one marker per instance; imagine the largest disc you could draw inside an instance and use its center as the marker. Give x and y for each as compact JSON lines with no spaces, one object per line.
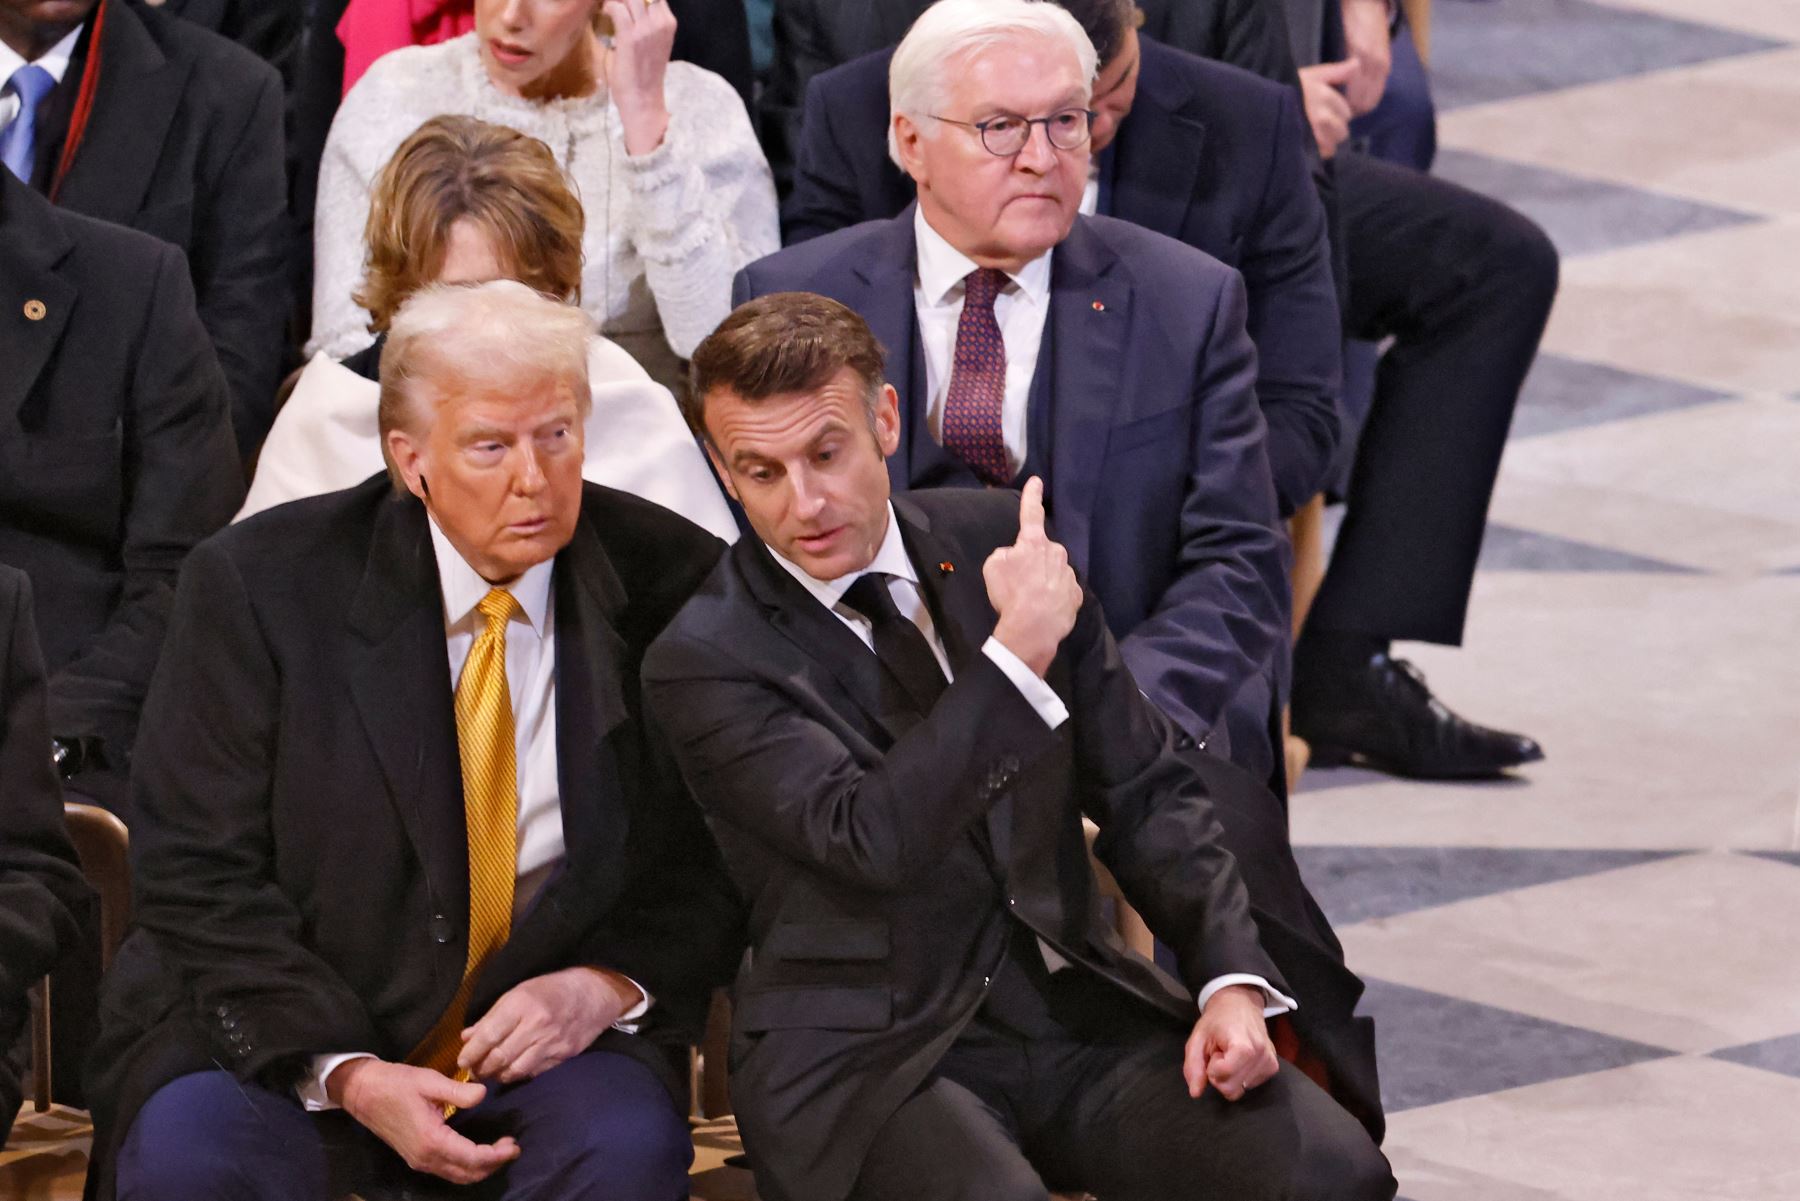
{"x":1381,"y":715}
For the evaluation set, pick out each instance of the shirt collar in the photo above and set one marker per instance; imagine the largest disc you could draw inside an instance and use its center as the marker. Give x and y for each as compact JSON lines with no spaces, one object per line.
{"x":54,"y":60}
{"x":890,"y":559}
{"x":463,"y":586}
{"x":942,"y":266}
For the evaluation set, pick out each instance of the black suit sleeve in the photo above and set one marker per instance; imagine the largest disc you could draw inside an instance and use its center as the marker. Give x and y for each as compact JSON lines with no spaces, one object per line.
{"x":825,"y":183}
{"x":758,"y":761}
{"x":1293,"y":318}
{"x":204,"y":871}
{"x":41,"y":888}
{"x":1158,"y":833}
{"x":181,"y":481}
{"x":240,"y":256}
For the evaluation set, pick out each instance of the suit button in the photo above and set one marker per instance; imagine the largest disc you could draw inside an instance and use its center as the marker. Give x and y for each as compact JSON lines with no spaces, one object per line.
{"x":441,"y":930}
{"x":223,"y":1011}
{"x":230,"y":1024}
{"x":986,"y":981}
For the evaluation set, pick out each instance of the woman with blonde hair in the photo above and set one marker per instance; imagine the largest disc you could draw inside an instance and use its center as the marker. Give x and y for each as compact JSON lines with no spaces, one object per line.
{"x":463,"y":201}
{"x":677,"y":192}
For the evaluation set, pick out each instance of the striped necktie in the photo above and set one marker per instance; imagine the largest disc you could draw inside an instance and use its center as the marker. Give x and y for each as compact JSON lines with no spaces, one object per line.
{"x":485,"y":741}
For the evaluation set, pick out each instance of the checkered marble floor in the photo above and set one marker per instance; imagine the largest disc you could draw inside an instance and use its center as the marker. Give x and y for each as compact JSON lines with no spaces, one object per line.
{"x":1586,"y":979}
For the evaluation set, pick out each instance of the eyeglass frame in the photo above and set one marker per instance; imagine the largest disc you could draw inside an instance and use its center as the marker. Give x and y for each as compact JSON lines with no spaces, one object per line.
{"x":981,"y":129}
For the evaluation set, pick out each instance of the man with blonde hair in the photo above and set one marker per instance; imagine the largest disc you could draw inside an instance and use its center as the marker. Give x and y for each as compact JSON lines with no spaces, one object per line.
{"x":419,"y":897}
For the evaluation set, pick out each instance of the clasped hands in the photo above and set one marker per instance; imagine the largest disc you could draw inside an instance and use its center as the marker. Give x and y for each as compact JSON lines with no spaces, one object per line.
{"x":533,"y":1027}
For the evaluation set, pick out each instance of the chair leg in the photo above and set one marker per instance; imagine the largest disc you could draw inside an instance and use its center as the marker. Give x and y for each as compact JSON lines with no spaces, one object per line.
{"x":40,"y":1046}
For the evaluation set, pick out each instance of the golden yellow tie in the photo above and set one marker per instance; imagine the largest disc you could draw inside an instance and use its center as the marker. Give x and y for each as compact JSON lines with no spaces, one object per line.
{"x":485,"y":740}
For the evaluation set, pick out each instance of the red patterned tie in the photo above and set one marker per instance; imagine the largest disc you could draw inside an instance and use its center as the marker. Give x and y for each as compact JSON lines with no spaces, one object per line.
{"x":972,"y":407}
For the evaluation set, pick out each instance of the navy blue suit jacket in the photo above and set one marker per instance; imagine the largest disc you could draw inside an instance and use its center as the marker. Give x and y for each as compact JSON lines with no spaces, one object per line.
{"x":1209,"y":155}
{"x":1156,"y":473}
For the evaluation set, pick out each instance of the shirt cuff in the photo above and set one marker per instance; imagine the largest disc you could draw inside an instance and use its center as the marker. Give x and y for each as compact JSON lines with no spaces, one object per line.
{"x":1037,"y":694}
{"x":632,"y":1018}
{"x":313,"y":1097}
{"x":1274,"y":1003}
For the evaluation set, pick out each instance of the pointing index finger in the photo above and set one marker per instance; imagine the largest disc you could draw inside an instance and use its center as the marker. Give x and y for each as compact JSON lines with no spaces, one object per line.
{"x":1031,"y":510}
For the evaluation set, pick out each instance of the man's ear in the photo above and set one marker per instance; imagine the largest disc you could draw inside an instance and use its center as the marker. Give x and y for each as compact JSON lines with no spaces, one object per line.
{"x":907,"y":136}
{"x":409,"y":459}
{"x":720,"y":470}
{"x":887,"y":421}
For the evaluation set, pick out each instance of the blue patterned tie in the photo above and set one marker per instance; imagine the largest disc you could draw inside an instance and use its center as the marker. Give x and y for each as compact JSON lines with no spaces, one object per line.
{"x":972,"y":407}
{"x":18,"y":141}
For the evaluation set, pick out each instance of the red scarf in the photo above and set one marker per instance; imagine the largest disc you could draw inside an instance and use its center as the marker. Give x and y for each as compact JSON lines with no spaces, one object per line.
{"x":371,"y":28}
{"x":84,"y":101}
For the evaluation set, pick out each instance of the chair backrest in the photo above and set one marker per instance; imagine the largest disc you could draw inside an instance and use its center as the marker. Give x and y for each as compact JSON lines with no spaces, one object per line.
{"x":103,"y":845}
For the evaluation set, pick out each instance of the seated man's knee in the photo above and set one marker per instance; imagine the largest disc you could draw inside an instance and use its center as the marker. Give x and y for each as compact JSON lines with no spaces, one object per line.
{"x":643,"y":1155}
{"x":1521,"y":259}
{"x":198,"y":1139}
{"x":1342,"y":1164}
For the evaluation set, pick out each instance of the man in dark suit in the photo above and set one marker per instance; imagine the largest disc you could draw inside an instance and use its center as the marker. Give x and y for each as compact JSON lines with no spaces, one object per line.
{"x":42,"y":894}
{"x":1205,"y":153}
{"x":116,"y":457}
{"x":896,"y":761}
{"x":403,"y":831}
{"x":1110,"y":360}
{"x":146,"y":120}
{"x":1463,"y":286}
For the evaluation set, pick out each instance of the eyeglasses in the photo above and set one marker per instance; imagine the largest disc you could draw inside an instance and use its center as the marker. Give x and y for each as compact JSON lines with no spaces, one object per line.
{"x":1005,"y":136}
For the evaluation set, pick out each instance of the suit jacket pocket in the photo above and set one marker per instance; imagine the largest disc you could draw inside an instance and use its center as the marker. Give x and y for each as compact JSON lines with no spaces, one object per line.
{"x":815,"y":1009}
{"x":828,"y":942}
{"x":77,"y":480}
{"x":1158,"y":427}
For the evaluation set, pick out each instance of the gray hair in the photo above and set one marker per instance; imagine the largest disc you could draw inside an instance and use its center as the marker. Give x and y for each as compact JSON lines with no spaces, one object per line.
{"x":495,"y":335}
{"x":952,"y":30}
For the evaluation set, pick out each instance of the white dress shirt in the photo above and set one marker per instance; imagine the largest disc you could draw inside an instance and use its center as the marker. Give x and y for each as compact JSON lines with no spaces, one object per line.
{"x":903,"y":585}
{"x":1021,"y":310}
{"x":531,"y":683}
{"x":54,"y":60}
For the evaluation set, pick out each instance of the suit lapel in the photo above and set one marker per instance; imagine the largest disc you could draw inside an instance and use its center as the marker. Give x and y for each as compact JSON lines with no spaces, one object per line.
{"x":818,"y":634}
{"x":1159,"y":151}
{"x":959,"y":609}
{"x":590,"y":705}
{"x":35,"y":301}
{"x":140,"y":91}
{"x":1090,"y":318}
{"x":401,"y":683}
{"x":883,"y":297}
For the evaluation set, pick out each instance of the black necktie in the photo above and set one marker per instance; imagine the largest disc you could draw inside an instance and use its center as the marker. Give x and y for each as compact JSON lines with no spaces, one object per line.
{"x":899,"y":644}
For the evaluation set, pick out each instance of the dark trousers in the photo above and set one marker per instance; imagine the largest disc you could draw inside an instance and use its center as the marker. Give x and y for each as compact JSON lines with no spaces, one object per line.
{"x":1463,"y":284}
{"x":1006,"y":1118}
{"x":599,"y":1127}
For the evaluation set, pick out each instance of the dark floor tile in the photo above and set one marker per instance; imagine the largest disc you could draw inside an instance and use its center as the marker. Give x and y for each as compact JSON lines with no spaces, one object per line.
{"x":1584,"y":216}
{"x":1434,"y":1048}
{"x":1354,"y":884}
{"x":1775,"y":1055}
{"x":1791,"y":858}
{"x":1485,"y":50}
{"x":1505,"y":548}
{"x":1563,"y":394}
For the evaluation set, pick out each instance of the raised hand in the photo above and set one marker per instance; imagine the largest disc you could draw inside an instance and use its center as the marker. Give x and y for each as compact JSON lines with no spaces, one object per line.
{"x":643,"y":36}
{"x":1327,"y":109}
{"x":404,"y":1107}
{"x":1230,"y":1048}
{"x":1032,"y":587}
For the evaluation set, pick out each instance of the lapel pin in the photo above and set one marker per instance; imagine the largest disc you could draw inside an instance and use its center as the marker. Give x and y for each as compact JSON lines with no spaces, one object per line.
{"x":35,"y":310}
{"x":1099,"y":306}
{"x":947,"y":567}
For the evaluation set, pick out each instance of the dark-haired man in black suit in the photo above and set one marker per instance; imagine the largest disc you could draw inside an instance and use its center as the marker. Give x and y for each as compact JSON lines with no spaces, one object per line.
{"x":42,"y":894}
{"x":895,"y":712}
{"x":146,"y":120}
{"x":404,"y":839}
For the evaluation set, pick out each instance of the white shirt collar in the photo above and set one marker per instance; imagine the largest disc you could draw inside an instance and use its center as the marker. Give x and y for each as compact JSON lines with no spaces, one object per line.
{"x":890,"y":559}
{"x":463,"y":586}
{"x":54,"y":60}
{"x":942,"y":266}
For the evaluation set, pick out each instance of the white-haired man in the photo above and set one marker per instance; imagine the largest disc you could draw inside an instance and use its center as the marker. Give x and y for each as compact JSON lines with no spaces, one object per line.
{"x":419,"y":899}
{"x":1110,"y":360}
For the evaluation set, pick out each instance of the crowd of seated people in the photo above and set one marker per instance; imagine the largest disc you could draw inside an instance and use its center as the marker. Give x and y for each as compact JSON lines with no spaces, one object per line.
{"x":628,"y":589}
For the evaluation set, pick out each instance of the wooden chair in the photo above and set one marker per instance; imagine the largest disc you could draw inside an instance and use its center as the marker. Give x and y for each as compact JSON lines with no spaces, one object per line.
{"x":103,"y":845}
{"x":1306,"y":531}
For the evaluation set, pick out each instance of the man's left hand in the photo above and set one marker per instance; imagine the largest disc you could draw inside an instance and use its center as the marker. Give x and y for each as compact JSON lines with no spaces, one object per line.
{"x":543,"y":1021}
{"x":1371,"y":49}
{"x":1230,"y":1048}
